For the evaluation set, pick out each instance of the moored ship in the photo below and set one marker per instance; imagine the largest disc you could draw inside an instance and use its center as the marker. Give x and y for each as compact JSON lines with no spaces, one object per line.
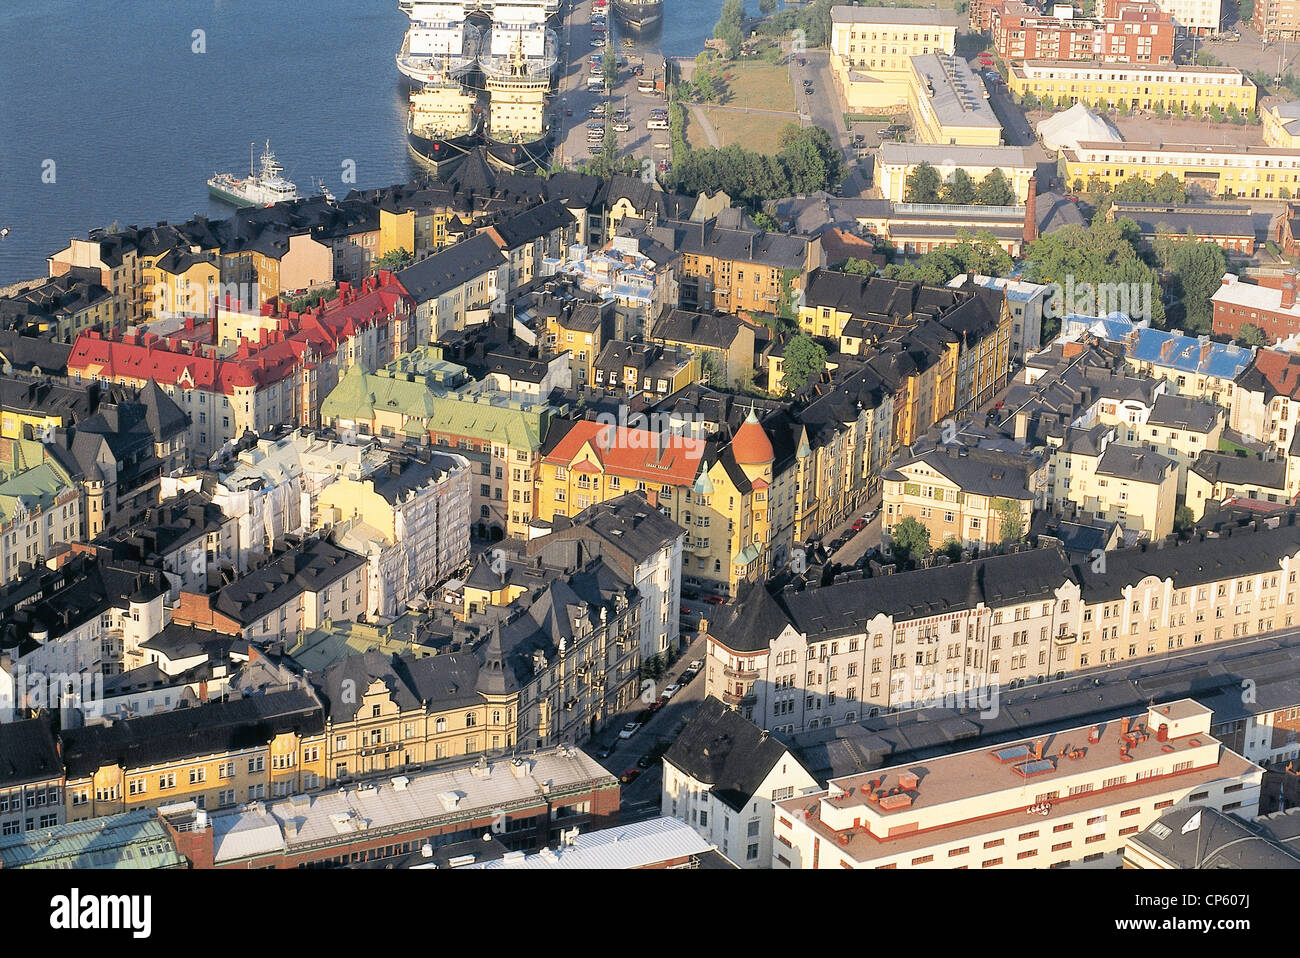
{"x":433,"y":48}
{"x":443,"y":123}
{"x":518,"y":137}
{"x":639,"y":14}
{"x":519,"y":33}
{"x":260,"y":189}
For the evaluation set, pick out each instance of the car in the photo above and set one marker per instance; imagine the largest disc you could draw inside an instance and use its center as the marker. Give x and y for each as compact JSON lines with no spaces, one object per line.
{"x":695,"y":665}
{"x":685,"y":610}
{"x":638,"y":70}
{"x":715,"y":599}
{"x":597,"y":42}
{"x":860,"y":137}
{"x":622,"y":127}
{"x":870,"y":514}
{"x":803,"y":62}
{"x":628,"y":730}
{"x":859,"y":525}
{"x":809,"y":90}
{"x":568,"y":112}
{"x":645,"y":761}
{"x":630,"y":776}
{"x":607,"y":750}
{"x":656,"y":705}
{"x":807,"y":82}
{"x":685,"y":677}
{"x":999,"y":404}
{"x":672,"y":690}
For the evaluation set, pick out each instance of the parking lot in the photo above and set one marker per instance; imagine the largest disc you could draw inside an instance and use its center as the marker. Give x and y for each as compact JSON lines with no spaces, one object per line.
{"x":579,"y":103}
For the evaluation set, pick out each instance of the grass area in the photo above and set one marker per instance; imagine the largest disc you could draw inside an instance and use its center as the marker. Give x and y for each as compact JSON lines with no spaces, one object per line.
{"x":759,"y":86}
{"x":850,"y":118}
{"x":759,"y":132}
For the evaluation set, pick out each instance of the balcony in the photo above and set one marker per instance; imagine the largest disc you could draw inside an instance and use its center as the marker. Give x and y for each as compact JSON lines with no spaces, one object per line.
{"x":1067,"y":638}
{"x":732,"y":700}
{"x":740,"y":675}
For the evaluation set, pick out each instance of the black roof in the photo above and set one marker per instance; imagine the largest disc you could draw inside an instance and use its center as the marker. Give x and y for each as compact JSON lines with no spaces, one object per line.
{"x":28,"y":753}
{"x":722,"y":749}
{"x":209,"y":729}
{"x":717,"y":330}
{"x":309,"y":566}
{"x":451,"y":267}
{"x":1202,"y":837}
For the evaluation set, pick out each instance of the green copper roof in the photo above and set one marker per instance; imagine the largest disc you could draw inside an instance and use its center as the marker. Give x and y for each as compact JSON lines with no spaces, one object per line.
{"x":35,"y":489}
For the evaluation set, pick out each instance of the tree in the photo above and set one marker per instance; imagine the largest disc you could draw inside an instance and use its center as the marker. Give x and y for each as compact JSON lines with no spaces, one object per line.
{"x":959,"y":190}
{"x":859,"y":267}
{"x":710,"y":371}
{"x":923,"y":184}
{"x":767,"y":7}
{"x":1184,"y":519}
{"x":911,"y":540}
{"x":729,"y":27}
{"x":1251,"y":335}
{"x":766,"y":221}
{"x":804,"y":360}
{"x":995,"y":190}
{"x":951,"y":548}
{"x":1196,"y":272}
{"x":395,"y":259}
{"x":1012,"y":526}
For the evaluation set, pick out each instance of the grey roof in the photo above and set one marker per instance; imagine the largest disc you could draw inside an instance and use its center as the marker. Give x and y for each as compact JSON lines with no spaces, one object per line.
{"x":405,"y":473}
{"x":451,"y":267}
{"x":921,"y":17}
{"x":1184,"y":412}
{"x":938,"y":155}
{"x":716,"y":330}
{"x":984,"y":472}
{"x":430,"y":682}
{"x":31,"y":353}
{"x":1230,"y":552}
{"x":722,"y":749}
{"x":28,"y":753}
{"x":309,"y":566}
{"x":711,"y":238}
{"x":1215,"y":840}
{"x":1137,"y":465}
{"x":534,"y":223}
{"x":626,"y":530}
{"x":1227,"y":467}
{"x":1217,"y":220}
{"x":957,"y":96}
{"x":842,"y":608}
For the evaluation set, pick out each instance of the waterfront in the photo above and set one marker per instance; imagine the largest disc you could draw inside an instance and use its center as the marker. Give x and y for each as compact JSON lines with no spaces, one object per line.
{"x":135,"y":121}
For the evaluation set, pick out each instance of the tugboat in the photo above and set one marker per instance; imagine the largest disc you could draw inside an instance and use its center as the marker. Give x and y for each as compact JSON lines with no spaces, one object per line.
{"x":639,"y":15}
{"x":260,"y":189}
{"x":518,"y":137}
{"x":443,"y":123}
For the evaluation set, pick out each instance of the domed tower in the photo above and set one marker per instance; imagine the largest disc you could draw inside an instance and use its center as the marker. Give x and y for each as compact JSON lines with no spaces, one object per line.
{"x":753,"y":450}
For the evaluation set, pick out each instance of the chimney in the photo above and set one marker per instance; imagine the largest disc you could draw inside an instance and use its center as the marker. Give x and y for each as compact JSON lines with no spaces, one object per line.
{"x":1031,"y":213}
{"x":1288,"y":289}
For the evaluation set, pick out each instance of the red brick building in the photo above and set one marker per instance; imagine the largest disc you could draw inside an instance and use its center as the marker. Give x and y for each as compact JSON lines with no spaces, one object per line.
{"x":1271,"y":307}
{"x":1129,"y":31}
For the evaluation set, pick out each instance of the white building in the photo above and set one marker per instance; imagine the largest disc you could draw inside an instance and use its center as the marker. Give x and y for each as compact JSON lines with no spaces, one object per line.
{"x":1196,"y":16}
{"x":721,"y":776}
{"x":1072,"y":797}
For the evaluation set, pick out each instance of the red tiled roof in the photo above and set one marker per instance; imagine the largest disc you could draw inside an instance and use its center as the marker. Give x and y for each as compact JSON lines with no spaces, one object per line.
{"x":632,"y":453}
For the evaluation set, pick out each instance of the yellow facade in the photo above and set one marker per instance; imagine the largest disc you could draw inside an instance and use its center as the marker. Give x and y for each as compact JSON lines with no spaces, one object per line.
{"x":930,"y":127}
{"x":183,"y":291}
{"x":1279,"y":125}
{"x":1221,"y":170}
{"x":396,"y":231}
{"x":894,"y":166}
{"x":857,"y":44}
{"x":1126,"y":85}
{"x":949,"y":511}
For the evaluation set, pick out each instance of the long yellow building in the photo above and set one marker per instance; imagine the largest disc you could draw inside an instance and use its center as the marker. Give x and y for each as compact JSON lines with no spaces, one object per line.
{"x":1252,"y":172}
{"x":1127,"y":85}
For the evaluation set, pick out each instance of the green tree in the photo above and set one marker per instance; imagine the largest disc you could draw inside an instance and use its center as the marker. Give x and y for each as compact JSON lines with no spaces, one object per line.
{"x":711,"y":372}
{"x":951,"y":548}
{"x":1251,"y":335}
{"x":729,"y":27}
{"x":767,"y":7}
{"x":766,"y":221}
{"x":911,"y":540}
{"x":1184,"y":519}
{"x":959,"y":190}
{"x":859,"y":267}
{"x":804,"y":360}
{"x":995,"y":190}
{"x":1196,"y":272}
{"x":1011,"y":526}
{"x":923,"y":184}
{"x":395,"y":259}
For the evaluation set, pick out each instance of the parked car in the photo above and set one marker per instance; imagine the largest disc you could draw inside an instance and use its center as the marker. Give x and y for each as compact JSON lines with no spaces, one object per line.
{"x":715,"y":599}
{"x":631,"y":775}
{"x":859,"y":525}
{"x":808,"y":90}
{"x":607,"y":750}
{"x":695,"y":665}
{"x":629,"y":729}
{"x":685,"y":677}
{"x":645,"y":761}
{"x":656,"y":705}
{"x":870,"y":514}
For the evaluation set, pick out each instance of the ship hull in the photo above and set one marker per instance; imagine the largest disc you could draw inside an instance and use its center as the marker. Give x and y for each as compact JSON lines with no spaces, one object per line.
{"x":641,"y":16}
{"x":441,"y":153}
{"x":234,"y":199}
{"x":512,"y":156}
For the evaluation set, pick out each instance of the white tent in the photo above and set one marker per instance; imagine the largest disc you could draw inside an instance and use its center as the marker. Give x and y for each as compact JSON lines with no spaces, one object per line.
{"x":1076,"y":125}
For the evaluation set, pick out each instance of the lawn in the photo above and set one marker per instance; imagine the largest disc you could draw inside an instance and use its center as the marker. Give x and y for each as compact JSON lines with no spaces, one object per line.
{"x":759,"y":132}
{"x":759,"y":86}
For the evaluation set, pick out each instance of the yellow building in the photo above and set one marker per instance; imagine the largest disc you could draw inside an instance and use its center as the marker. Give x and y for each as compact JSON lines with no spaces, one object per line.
{"x":723,"y":504}
{"x":1127,"y":85}
{"x":897,"y":161}
{"x":1216,"y":476}
{"x":949,"y":104}
{"x":581,"y":328}
{"x":978,"y":498}
{"x":269,"y":746}
{"x":1280,"y":126}
{"x":871,"y":50}
{"x":1092,"y":475}
{"x":1253,"y":172}
{"x":180,"y":282}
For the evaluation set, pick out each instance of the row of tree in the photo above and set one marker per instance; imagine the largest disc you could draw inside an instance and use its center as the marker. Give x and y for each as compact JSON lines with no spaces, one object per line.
{"x":925,"y":185}
{"x":807,"y":161}
{"x":1214,"y":112}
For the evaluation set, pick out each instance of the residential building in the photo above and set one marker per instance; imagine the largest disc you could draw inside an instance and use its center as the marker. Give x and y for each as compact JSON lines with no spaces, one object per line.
{"x":132,"y":840}
{"x":1216,"y":476}
{"x":455,"y":286}
{"x":31,"y":784}
{"x":1127,"y":31}
{"x":721,"y":776}
{"x":1271,"y":309}
{"x":40,"y":508}
{"x":1094,"y":476}
{"x":872,"y":49}
{"x":646,"y":547}
{"x":1277,"y":19}
{"x":1025,"y":303}
{"x":724,"y":343}
{"x":644,"y":369}
{"x":968,"y":809}
{"x":303,"y":584}
{"x":62,"y":306}
{"x":1255,"y":172}
{"x":978,"y":498}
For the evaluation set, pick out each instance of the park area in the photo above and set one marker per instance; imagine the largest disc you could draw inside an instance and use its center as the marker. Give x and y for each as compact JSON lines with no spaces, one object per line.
{"x":754,"y":103}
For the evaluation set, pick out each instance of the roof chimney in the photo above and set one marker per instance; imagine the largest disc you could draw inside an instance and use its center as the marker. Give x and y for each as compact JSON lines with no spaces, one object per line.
{"x":1288,"y":289}
{"x":1031,"y":213}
